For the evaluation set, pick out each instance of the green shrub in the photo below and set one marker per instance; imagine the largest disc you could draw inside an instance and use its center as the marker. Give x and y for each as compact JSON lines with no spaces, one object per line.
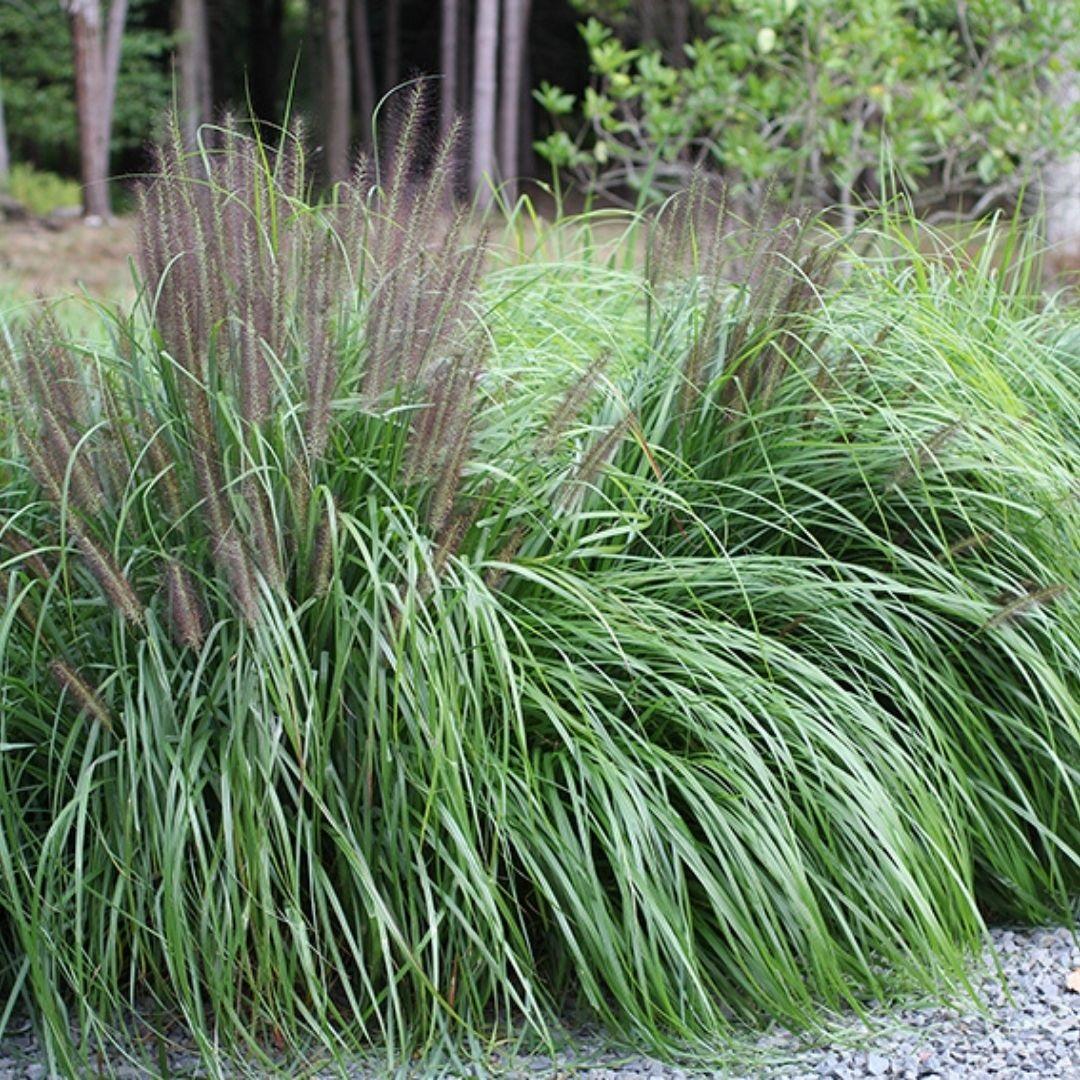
{"x":41,"y":192}
{"x":394,"y":653}
{"x":808,"y":98}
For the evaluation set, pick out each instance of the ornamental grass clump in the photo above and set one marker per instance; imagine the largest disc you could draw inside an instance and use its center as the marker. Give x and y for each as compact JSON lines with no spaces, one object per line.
{"x":403,"y":647}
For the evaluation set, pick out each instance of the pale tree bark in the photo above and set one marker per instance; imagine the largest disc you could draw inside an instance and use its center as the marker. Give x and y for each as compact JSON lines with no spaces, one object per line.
{"x":338,"y":90}
{"x":5,"y":155}
{"x":526,"y":125}
{"x":1061,"y":192}
{"x":465,"y":56}
{"x":193,"y":61}
{"x":97,"y":66}
{"x":515,"y":33}
{"x":87,"y":44}
{"x":364,"y":62}
{"x":448,"y":64}
{"x":114,"y":45}
{"x":486,"y":51}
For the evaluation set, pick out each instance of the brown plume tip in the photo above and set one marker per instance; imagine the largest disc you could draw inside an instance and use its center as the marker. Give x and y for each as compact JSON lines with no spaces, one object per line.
{"x":323,"y":560}
{"x":80,"y":693}
{"x":185,"y":607}
{"x":1012,"y":607}
{"x":111,"y":578}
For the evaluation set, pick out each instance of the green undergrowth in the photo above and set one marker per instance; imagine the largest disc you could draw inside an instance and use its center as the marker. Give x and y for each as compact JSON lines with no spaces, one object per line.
{"x":41,"y":192}
{"x":401,"y":654}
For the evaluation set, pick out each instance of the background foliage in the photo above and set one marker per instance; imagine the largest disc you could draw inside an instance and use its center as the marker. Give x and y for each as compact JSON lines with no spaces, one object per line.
{"x":810,"y":97}
{"x":38,"y":79}
{"x":963,"y":102}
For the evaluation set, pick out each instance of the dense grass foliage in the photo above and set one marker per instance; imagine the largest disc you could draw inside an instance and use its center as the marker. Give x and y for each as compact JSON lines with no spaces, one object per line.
{"x":396,"y":651}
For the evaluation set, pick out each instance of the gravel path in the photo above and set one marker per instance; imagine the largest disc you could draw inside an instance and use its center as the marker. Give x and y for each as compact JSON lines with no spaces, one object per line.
{"x":1031,"y":1030}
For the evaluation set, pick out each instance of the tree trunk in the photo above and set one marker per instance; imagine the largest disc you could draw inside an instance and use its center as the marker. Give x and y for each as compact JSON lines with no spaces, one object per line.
{"x":338,"y":90}
{"x":680,"y":32}
{"x":193,"y":58}
{"x":90,"y":101}
{"x":448,"y":64}
{"x":5,"y":155}
{"x":364,"y":61}
{"x":486,"y":51}
{"x":646,"y":22}
{"x":114,"y":47}
{"x":465,"y":28}
{"x":264,"y":49}
{"x":515,"y":31}
{"x":526,"y":125}
{"x":392,"y":45}
{"x":1061,"y":192}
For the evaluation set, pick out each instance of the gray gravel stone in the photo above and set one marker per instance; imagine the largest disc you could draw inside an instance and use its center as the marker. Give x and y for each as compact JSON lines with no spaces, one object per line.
{"x":1031,"y":1031}
{"x":877,"y":1064}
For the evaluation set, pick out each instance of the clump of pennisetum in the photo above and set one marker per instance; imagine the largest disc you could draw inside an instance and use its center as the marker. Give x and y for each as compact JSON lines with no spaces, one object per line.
{"x":755,"y":286}
{"x":251,"y":295}
{"x":245,"y":280}
{"x":246,"y":289}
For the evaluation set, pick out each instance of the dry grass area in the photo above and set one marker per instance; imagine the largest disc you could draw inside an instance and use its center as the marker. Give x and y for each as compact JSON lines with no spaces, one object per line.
{"x":35,"y":260}
{"x":63,"y":264}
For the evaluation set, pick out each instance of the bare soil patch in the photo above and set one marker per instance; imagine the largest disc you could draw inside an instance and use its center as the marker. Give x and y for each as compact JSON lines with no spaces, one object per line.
{"x":53,"y":262}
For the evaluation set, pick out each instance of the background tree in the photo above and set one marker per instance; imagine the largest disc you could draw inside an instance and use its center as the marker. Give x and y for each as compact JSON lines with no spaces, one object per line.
{"x":1061,"y":186}
{"x":364,"y":63}
{"x":39,"y":77}
{"x":449,"y":22}
{"x":265,"y":56}
{"x":485,"y":88}
{"x":193,"y":64}
{"x":807,"y":99}
{"x":96,"y":53}
{"x":338,"y":89}
{"x":515,"y":29}
{"x":5,"y":153}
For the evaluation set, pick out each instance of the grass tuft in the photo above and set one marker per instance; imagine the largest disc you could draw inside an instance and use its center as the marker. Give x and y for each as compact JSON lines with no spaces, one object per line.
{"x":407,"y":645}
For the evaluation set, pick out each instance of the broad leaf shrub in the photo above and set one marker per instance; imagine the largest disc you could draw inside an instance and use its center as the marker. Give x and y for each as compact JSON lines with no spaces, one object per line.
{"x":807,"y":98}
{"x":401,"y":650}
